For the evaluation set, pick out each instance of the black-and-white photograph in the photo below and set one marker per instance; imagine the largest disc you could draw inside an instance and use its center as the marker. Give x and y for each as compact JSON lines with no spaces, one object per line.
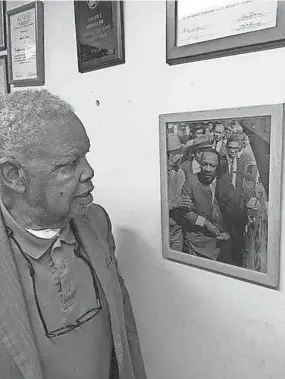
{"x":218,"y":188}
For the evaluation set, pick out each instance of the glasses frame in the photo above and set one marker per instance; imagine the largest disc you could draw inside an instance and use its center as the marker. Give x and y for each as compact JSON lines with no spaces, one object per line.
{"x":85,"y":317}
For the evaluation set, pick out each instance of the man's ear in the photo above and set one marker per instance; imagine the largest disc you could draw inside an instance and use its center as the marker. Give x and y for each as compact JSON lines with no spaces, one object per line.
{"x":12,"y":174}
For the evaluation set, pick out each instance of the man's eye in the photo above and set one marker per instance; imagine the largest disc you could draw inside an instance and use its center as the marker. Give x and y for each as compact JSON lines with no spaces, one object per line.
{"x":69,"y":165}
{"x":73,"y":163}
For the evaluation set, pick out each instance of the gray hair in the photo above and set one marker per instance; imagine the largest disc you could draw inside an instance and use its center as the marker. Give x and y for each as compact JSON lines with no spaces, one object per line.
{"x":25,"y":116}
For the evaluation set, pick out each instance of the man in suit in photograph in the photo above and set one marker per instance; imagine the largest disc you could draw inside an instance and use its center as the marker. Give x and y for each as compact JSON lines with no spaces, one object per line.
{"x":64,"y":309}
{"x":205,"y":233}
{"x":236,"y":169}
{"x":218,"y":144}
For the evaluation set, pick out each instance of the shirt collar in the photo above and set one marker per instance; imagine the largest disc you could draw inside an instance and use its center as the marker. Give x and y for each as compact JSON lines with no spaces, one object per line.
{"x":32,"y":245}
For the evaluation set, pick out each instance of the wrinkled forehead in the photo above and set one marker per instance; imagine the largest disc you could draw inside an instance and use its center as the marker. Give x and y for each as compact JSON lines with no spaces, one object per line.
{"x":209,"y":157}
{"x":59,"y":137}
{"x":233,"y":144}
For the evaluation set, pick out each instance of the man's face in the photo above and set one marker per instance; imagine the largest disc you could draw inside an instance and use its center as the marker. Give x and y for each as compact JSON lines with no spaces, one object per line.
{"x":210,"y":126}
{"x":209,"y":163}
{"x":219,"y":132}
{"x":198,"y":132}
{"x":233,"y":149}
{"x":228,"y":131}
{"x":59,"y":178}
{"x":182,"y":129}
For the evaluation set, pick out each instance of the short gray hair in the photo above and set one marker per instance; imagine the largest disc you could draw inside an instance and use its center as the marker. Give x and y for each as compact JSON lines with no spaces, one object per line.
{"x":24,"y":117}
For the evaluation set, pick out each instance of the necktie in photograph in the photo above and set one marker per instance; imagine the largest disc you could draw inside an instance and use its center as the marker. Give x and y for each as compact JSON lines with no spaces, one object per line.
{"x":232,"y":172}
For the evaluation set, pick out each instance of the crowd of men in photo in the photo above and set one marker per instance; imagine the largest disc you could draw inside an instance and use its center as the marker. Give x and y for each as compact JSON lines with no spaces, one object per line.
{"x":217,"y":203}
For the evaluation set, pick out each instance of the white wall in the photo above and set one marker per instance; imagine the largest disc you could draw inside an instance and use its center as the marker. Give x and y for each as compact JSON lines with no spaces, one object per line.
{"x":192,"y":323}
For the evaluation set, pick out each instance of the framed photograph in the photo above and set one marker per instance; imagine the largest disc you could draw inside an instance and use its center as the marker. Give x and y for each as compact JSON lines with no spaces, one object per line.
{"x":221,"y":176}
{"x":99,"y":34}
{"x":26,"y":45}
{"x":4,"y":84}
{"x":2,"y":25}
{"x":204,"y":30}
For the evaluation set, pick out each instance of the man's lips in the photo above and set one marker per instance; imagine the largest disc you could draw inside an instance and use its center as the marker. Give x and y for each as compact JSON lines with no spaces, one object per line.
{"x":86,"y":193}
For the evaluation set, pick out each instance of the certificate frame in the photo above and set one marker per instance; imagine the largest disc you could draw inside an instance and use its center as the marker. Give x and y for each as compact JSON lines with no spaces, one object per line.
{"x":87,"y":59}
{"x":268,"y":277}
{"x":230,"y":45}
{"x":38,"y":37}
{"x":5,"y":88}
{"x":2,"y":25}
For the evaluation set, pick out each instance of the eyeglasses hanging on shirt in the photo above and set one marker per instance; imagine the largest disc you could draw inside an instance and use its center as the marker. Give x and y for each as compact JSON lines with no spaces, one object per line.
{"x":80,"y":253}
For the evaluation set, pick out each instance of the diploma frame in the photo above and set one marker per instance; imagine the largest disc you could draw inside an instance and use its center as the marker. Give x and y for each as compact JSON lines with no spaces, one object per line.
{"x":231,"y":45}
{"x":39,"y":38}
{"x":2,"y":25}
{"x":118,"y":40}
{"x":269,"y":278}
{"x":4,"y":73}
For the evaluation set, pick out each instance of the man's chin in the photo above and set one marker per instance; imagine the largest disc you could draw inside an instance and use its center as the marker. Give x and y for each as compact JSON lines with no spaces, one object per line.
{"x":85,"y":200}
{"x":80,"y":205}
{"x":208,"y":179}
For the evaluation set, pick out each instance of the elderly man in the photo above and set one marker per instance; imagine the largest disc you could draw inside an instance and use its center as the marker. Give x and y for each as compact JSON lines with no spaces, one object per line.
{"x":65,"y":312}
{"x":205,"y":234}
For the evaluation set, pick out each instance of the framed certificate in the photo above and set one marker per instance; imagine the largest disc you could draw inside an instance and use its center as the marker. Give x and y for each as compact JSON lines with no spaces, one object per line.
{"x":99,"y":34}
{"x":26,"y":45}
{"x":197,"y":31}
{"x":4,"y":84}
{"x":2,"y":25}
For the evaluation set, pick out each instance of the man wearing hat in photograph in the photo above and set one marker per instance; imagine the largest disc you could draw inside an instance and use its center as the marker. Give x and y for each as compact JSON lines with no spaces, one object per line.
{"x":193,"y":151}
{"x":177,"y":203}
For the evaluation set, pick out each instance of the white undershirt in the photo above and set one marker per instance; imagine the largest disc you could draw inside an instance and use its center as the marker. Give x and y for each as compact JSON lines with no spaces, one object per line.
{"x":45,"y":233}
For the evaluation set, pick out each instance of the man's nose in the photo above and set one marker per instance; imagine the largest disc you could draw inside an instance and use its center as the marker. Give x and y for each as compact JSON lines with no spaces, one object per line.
{"x":87,"y":170}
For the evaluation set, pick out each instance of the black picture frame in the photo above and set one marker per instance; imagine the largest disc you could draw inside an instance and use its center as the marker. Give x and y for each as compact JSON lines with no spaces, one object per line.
{"x":231,"y":45}
{"x":2,"y":25}
{"x":37,"y":77}
{"x":103,"y":45}
{"x":5,"y":86}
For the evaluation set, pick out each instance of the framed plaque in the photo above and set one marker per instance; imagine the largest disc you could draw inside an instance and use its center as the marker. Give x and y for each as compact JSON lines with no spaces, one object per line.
{"x":221,"y":184}
{"x":26,"y":45}
{"x":197,"y":31}
{"x":99,"y":34}
{"x":4,"y":84}
{"x":2,"y":25}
